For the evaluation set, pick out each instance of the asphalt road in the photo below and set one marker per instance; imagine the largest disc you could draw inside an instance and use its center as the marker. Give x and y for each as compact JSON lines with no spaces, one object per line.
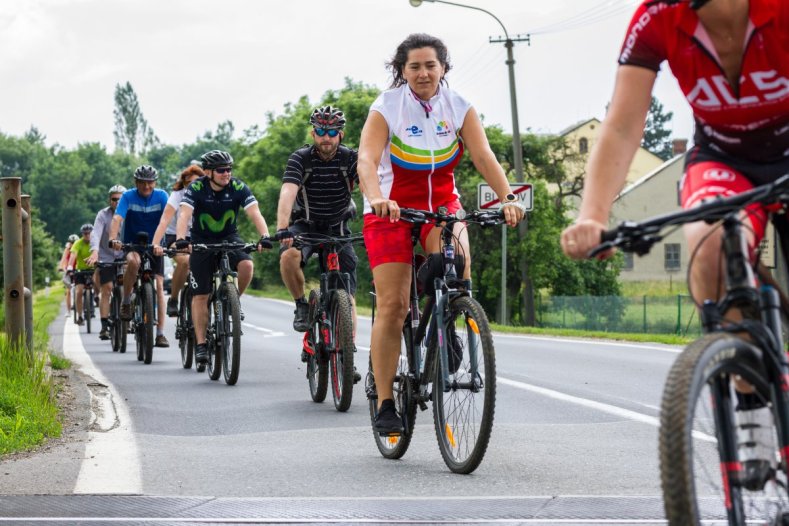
{"x":576,"y":423}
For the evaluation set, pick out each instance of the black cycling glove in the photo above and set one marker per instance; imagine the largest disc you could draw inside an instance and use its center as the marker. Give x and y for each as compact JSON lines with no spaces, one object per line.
{"x":181,"y":244}
{"x":284,"y":233}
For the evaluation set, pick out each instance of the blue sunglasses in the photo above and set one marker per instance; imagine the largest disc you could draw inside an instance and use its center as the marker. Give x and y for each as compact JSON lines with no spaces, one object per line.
{"x":320,"y":132}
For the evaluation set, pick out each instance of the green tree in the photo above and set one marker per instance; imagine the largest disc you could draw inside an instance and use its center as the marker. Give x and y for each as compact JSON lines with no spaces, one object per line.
{"x":132,"y":132}
{"x":657,"y":136}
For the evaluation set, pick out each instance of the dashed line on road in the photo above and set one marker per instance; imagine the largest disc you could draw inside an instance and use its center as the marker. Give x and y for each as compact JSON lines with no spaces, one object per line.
{"x":268,"y":333}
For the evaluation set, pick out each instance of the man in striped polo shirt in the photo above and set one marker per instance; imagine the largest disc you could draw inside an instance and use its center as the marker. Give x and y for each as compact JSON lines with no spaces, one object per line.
{"x":316,"y":197}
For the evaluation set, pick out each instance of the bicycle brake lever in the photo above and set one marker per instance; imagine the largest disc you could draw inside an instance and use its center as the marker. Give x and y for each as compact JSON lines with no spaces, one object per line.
{"x":599,"y":249}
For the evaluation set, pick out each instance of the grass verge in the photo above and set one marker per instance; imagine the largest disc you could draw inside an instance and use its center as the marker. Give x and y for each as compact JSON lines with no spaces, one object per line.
{"x":28,"y":411}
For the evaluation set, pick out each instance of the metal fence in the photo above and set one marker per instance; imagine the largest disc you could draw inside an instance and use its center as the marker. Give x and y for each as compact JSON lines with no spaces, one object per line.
{"x":637,"y":314}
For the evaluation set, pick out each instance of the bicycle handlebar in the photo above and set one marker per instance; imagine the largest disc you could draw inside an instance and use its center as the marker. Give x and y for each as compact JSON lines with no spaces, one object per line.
{"x":480,"y":217}
{"x":639,"y":238}
{"x":226,"y":247}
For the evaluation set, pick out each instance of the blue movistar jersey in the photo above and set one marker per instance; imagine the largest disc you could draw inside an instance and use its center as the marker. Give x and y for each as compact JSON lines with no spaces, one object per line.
{"x":140,"y":214}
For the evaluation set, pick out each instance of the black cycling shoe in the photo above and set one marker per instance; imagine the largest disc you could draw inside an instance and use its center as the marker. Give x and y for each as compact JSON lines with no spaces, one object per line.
{"x":356,"y":376}
{"x":201,"y":354}
{"x":302,"y":312}
{"x":305,"y":356}
{"x":387,"y":421}
{"x":172,"y":307}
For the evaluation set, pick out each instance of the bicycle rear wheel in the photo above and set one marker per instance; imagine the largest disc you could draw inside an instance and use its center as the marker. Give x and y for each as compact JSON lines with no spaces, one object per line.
{"x":394,"y":447}
{"x":231,"y":333}
{"x":463,"y":407}
{"x":341,"y":359}
{"x":701,"y":475}
{"x":148,"y":321}
{"x":186,"y":341}
{"x":115,"y":330}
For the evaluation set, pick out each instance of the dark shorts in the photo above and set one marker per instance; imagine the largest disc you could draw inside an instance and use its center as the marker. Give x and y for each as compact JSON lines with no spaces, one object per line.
{"x":204,"y":264}
{"x":106,"y":275}
{"x":347,"y":255}
{"x":169,"y":239}
{"x":81,"y":276}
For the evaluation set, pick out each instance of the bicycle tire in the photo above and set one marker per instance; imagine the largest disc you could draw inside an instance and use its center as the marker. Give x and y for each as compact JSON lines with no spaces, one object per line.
{"x":186,"y":342}
{"x":139,"y":334}
{"x":87,"y":306}
{"x":113,"y":322}
{"x":341,"y":359}
{"x":214,"y":365}
{"x":148,"y":319}
{"x":231,"y":334}
{"x":694,"y":488}
{"x":124,"y":332}
{"x":74,"y":304}
{"x":463,"y":422}
{"x":394,"y":447}
{"x":317,"y":365}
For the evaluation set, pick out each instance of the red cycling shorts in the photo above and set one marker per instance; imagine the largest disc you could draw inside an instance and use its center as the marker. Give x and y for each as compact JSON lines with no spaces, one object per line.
{"x":707,"y":179}
{"x":391,"y":242}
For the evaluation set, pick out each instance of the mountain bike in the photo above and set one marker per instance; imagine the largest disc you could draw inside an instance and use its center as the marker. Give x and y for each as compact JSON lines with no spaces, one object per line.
{"x":447,"y":355}
{"x":329,"y":342}
{"x":143,"y":299}
{"x":118,"y":327}
{"x":703,"y":476}
{"x":88,"y":306}
{"x":223,"y":334}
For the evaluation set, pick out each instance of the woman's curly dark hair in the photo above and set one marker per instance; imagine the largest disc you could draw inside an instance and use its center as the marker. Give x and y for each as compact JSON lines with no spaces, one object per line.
{"x":416,"y":41}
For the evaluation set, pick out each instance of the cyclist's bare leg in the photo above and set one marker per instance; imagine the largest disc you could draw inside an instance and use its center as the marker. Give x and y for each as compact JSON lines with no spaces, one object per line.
{"x":707,"y":280}
{"x":162,"y":305}
{"x":245,"y":270}
{"x":130,"y":277}
{"x":68,"y":297}
{"x":104,"y":299}
{"x":200,"y":316}
{"x":78,"y":293}
{"x":179,"y":274}
{"x":392,"y":292}
{"x":433,"y":245}
{"x":290,"y":270}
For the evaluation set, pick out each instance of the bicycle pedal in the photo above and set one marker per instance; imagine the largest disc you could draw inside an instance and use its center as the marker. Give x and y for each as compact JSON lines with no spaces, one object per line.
{"x":422,"y":405}
{"x":390,"y":435}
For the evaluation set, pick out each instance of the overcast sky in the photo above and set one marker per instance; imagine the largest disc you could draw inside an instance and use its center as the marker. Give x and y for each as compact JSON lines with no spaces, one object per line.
{"x":196,"y":63}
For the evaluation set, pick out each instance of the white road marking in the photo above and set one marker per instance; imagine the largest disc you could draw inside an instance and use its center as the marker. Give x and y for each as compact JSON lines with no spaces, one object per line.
{"x":268,"y":333}
{"x":606,"y":343}
{"x":111,"y":463}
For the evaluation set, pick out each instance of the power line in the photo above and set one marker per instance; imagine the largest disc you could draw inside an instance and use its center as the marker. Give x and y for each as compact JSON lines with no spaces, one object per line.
{"x":595,"y":14}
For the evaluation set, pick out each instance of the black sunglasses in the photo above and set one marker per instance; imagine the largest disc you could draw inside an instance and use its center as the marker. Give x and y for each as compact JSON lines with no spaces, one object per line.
{"x":225,"y":170}
{"x":115,"y":199}
{"x":320,"y":132}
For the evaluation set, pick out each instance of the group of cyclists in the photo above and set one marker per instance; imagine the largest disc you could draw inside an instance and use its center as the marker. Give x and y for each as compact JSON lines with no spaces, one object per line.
{"x":731,"y":58}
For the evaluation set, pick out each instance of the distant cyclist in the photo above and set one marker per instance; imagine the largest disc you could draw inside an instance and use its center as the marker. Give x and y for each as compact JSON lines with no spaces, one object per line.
{"x":166,"y":230}
{"x":140,"y":210}
{"x":102,"y":253}
{"x":63,"y":267}
{"x":316,"y":197}
{"x":212,"y":204}
{"x":80,"y":254}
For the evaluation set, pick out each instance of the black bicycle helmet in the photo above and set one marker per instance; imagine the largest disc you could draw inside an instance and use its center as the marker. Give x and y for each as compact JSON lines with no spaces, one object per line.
{"x":146,"y":173}
{"x":215,"y":159}
{"x":328,"y":118}
{"x":87,"y":227}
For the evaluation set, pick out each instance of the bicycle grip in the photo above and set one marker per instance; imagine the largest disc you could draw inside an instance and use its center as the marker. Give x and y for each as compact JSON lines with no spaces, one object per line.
{"x":609,"y":235}
{"x":265,"y":242}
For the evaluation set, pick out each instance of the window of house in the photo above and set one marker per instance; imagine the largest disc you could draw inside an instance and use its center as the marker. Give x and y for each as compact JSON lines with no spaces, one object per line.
{"x":628,"y":261}
{"x":583,"y":145}
{"x":672,"y":256}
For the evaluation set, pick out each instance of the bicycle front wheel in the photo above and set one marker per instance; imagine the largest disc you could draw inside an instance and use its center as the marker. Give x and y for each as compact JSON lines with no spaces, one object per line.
{"x":464,"y":387}
{"x":231,"y":334}
{"x":317,"y":365}
{"x":148,"y":321}
{"x":702,"y":476}
{"x":186,"y":341}
{"x":341,"y":359}
{"x":113,"y":322}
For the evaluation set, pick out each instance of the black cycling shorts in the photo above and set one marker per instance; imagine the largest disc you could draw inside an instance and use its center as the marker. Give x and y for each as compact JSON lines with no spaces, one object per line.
{"x":204,"y":264}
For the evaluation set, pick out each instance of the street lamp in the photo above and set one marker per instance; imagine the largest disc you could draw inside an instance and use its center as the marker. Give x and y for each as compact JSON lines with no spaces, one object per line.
{"x":517,"y":147}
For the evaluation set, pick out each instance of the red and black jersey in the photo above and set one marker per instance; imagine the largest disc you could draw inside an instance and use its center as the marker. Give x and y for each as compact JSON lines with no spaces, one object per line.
{"x":750,"y":122}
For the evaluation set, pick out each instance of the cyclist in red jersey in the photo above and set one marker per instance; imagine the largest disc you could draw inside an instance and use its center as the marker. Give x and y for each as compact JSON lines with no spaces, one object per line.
{"x":731,"y":59}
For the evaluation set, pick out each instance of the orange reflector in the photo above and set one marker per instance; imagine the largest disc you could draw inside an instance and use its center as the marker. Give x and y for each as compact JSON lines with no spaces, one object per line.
{"x":392,"y":440}
{"x":450,"y":435}
{"x":473,"y":325}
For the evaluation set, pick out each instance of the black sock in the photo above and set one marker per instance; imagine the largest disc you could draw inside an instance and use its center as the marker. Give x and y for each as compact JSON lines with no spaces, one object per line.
{"x":104,"y":323}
